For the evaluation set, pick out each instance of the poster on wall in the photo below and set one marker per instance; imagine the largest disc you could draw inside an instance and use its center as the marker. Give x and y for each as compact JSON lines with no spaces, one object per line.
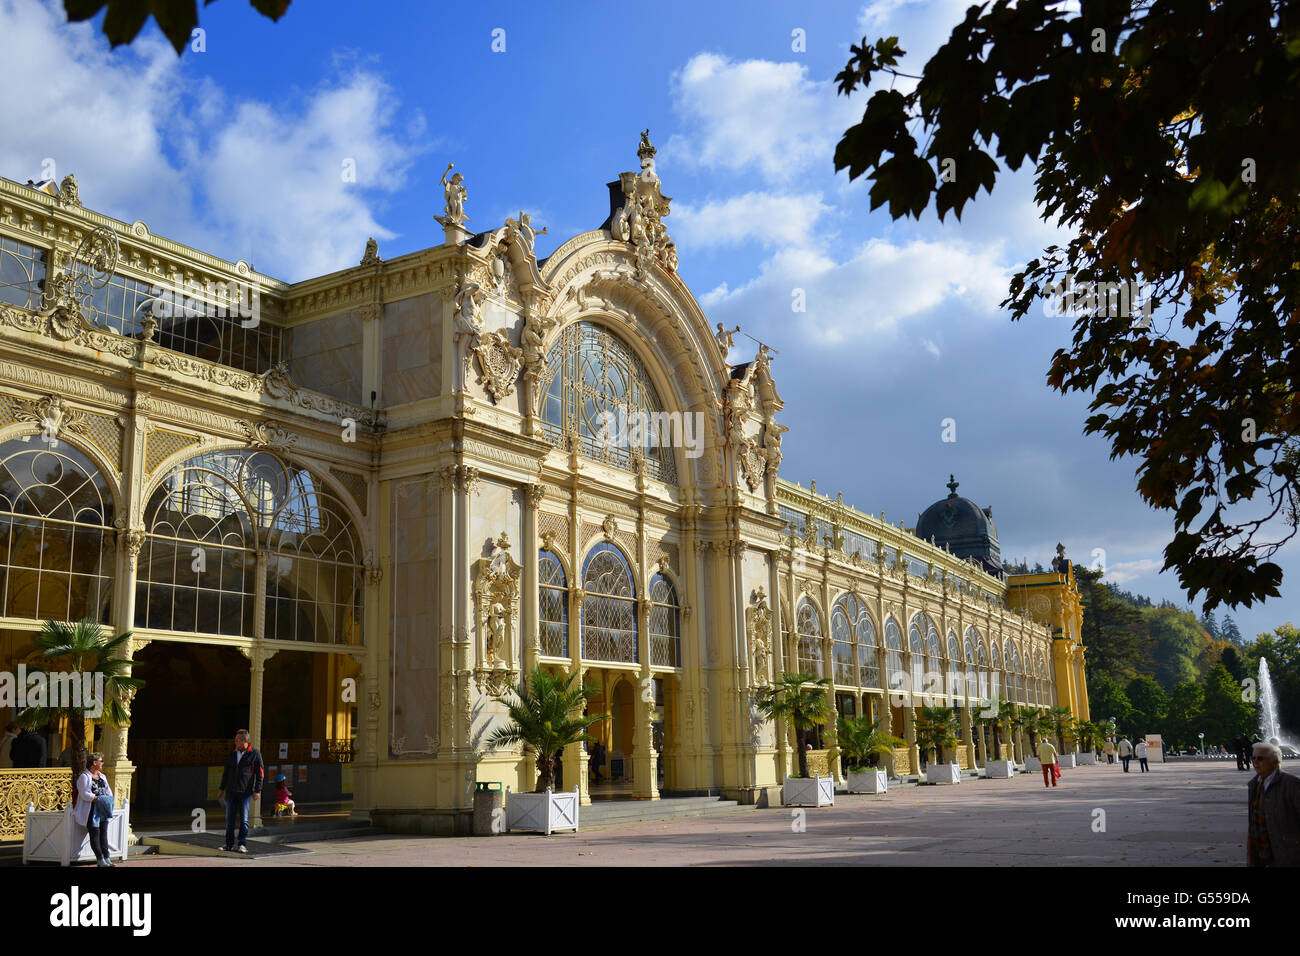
{"x":284,"y":751}
{"x":315,"y":750}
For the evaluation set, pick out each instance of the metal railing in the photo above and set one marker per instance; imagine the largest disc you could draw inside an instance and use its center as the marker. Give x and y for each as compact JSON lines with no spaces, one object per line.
{"x":192,"y":752}
{"x":48,"y":789}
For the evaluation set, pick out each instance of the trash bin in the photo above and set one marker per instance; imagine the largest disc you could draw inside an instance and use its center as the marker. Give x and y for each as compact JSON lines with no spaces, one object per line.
{"x":489,"y":812}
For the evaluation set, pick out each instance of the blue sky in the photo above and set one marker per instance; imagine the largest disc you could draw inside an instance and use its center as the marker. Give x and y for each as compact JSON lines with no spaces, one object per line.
{"x":240,"y":149}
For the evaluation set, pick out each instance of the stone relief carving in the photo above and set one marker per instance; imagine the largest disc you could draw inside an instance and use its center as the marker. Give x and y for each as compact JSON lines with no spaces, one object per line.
{"x":268,"y":435}
{"x":52,"y":416}
{"x":758,"y":623}
{"x":496,"y":612}
{"x":69,"y":192}
{"x":498,"y":363}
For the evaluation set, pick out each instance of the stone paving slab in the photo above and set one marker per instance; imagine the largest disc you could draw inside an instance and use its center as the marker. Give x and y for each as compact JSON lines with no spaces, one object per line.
{"x":1176,"y":815}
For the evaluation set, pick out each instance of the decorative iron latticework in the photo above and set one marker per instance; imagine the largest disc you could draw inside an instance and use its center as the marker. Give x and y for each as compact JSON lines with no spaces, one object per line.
{"x":609,"y":607}
{"x":591,"y":372}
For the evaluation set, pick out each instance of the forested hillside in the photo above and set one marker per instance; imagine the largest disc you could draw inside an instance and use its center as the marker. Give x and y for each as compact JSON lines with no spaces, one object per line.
{"x":1160,"y":669}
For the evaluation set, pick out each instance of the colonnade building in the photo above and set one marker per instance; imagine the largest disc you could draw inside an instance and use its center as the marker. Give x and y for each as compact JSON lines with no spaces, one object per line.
{"x":350,"y":512}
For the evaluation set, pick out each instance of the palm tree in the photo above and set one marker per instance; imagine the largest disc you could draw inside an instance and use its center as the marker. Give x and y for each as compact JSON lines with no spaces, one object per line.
{"x":85,"y":648}
{"x":934,"y":729}
{"x":996,"y":714}
{"x":800,"y":698}
{"x":1060,"y":719}
{"x":545,"y":716}
{"x":864,"y":743}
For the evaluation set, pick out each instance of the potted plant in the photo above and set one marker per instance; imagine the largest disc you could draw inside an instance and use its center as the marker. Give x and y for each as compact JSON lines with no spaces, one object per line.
{"x":86,"y":651}
{"x":934,"y":731}
{"x":545,"y":717}
{"x":1086,"y":732}
{"x":800,"y":698}
{"x":997,"y":714}
{"x":863,"y":744}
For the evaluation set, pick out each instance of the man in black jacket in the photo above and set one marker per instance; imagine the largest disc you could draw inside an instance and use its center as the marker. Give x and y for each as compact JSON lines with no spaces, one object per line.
{"x":27,"y":751}
{"x":1273,"y":804}
{"x":241,"y":783}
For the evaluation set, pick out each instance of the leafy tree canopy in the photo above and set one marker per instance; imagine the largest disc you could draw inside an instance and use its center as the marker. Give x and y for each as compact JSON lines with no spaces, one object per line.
{"x":176,"y":18}
{"x":1164,"y":138}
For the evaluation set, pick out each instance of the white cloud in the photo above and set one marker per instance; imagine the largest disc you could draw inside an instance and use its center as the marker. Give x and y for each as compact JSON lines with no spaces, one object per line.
{"x":1125,"y":571}
{"x":756,"y":114}
{"x":869,"y":294}
{"x":234,"y":177}
{"x":930,"y":346}
{"x":769,"y":219}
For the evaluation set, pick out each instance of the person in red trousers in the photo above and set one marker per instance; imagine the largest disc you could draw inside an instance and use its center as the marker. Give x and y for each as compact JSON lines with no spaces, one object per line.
{"x":1047,"y":754}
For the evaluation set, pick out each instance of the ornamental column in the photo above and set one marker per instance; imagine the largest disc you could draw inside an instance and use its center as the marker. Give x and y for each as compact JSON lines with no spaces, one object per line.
{"x":117,"y":764}
{"x":645,"y":763}
{"x":966,"y":729}
{"x":909,"y":735}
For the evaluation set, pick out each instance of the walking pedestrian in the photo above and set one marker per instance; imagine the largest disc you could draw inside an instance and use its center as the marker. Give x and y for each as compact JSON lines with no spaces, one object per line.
{"x":1047,"y":755}
{"x":1142,"y":751}
{"x":1241,"y":745}
{"x":1273,"y":837}
{"x":1125,"y":750}
{"x":1108,"y":748}
{"x":93,"y":807}
{"x":241,"y":782}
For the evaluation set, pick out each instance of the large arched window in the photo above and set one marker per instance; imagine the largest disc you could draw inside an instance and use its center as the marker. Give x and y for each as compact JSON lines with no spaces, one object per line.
{"x":855,"y":640}
{"x":206,"y":523}
{"x":846,"y":613}
{"x":955,"y":686}
{"x":594,"y":385}
{"x":56,"y":533}
{"x":609,"y":608}
{"x":665,"y":623}
{"x":1014,"y":676}
{"x":895,"y":674}
{"x":552,"y":605}
{"x":981,"y":663}
{"x":933,"y":659}
{"x":997,"y":677}
{"x":809,"y":625}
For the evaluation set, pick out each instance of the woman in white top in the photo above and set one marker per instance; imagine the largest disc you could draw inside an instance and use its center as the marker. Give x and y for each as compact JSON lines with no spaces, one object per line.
{"x":90,"y":811}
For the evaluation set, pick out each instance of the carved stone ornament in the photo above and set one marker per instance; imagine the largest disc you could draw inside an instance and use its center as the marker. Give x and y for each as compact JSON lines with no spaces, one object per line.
{"x":498,"y":363}
{"x":268,"y":435}
{"x":496,"y":614}
{"x":548,"y":540}
{"x":610,"y":527}
{"x":753,"y":461}
{"x":371,"y":256}
{"x":276,"y":382}
{"x":639,"y":220}
{"x":758,"y":624}
{"x":52,"y":416}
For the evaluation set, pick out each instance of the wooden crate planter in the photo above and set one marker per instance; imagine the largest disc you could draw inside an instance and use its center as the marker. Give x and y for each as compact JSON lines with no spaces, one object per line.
{"x":1065,"y":760}
{"x":544,"y":812}
{"x":943,"y":773}
{"x":54,"y":836}
{"x":1000,"y":769}
{"x":808,"y":792}
{"x":867,"y":781}
{"x":1086,"y":760}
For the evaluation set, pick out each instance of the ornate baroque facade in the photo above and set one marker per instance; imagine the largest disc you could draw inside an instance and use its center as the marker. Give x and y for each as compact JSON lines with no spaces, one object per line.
{"x":397,"y":474}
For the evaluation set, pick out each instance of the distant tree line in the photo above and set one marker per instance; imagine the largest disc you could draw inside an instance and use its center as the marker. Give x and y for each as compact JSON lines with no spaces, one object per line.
{"x":1160,"y":669}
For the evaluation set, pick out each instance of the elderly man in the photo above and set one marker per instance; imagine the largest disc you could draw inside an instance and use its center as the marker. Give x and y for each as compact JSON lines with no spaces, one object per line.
{"x":1273,"y":837}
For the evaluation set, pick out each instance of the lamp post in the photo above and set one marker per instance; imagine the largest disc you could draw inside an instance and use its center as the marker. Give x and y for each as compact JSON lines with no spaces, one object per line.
{"x":1202,"y":736}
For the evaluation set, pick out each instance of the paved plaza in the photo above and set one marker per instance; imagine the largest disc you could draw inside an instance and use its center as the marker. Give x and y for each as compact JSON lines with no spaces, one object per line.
{"x":1179,"y":814}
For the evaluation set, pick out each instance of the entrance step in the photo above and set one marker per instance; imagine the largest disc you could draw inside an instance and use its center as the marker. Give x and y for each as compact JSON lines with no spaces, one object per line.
{"x":616,"y":812}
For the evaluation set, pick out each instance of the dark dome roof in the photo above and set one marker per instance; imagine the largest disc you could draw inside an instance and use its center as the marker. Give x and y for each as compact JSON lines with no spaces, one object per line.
{"x":965,"y":527}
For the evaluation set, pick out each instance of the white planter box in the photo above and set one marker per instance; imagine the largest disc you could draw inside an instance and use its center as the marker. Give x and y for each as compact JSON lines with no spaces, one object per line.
{"x":808,"y":792}
{"x":54,"y":836}
{"x":545,"y":812}
{"x":1033,"y":765}
{"x":1086,"y":760}
{"x":868,"y":781}
{"x":1065,"y":760}
{"x":1000,"y":769}
{"x":943,"y":773}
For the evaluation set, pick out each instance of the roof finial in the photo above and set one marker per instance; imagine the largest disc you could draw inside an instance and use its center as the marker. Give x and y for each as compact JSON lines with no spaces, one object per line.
{"x":952,"y":486}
